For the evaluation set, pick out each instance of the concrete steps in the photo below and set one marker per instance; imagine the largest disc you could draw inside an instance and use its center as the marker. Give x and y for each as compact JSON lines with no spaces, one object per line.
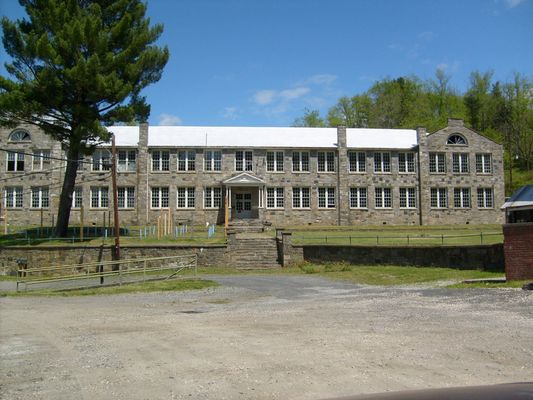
{"x":246,"y":226}
{"x":255,"y":253}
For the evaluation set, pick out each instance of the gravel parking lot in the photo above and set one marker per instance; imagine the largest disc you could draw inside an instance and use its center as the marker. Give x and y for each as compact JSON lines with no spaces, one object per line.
{"x":263,"y":337}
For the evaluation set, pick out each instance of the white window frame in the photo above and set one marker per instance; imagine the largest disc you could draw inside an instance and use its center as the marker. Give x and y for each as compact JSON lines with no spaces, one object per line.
{"x":159,"y":197}
{"x":99,"y":197}
{"x":300,"y":160}
{"x":275,"y":197}
{"x":382,"y":162}
{"x":407,"y":197}
{"x":358,"y":197}
{"x":325,"y":161}
{"x":186,"y":160}
{"x":461,"y":198}
{"x":17,"y":159}
{"x":212,"y":160}
{"x":275,"y":161}
{"x":127,"y":160}
{"x":77,"y":197}
{"x":383,"y":197}
{"x":357,"y":161}
{"x":301,"y":198}
{"x":185,"y":198}
{"x":244,"y":160}
{"x":406,"y":162}
{"x":437,"y":163}
{"x":213,"y":197}
{"x":460,"y":163}
{"x":13,"y":197}
{"x":485,"y":198}
{"x":126,"y":197}
{"x":40,"y":197}
{"x":40,"y":159}
{"x":438,"y":198}
{"x":484,"y":163}
{"x":160,"y":160}
{"x":326,"y":197}
{"x":101,"y":160}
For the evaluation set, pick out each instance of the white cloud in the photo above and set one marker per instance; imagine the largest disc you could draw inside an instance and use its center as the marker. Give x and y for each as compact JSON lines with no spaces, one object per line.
{"x":322,"y":79}
{"x":513,"y":3}
{"x":169,"y":119}
{"x":291,"y":94}
{"x":230,"y":113}
{"x":264,"y":97}
{"x":447,"y":67}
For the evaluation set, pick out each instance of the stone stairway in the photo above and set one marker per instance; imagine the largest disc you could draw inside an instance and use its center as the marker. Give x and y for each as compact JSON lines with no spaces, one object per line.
{"x":254,"y":252}
{"x":246,"y":225}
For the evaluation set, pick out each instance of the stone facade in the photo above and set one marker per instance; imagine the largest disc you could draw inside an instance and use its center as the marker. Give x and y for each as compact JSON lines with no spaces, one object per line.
{"x":403,"y":192}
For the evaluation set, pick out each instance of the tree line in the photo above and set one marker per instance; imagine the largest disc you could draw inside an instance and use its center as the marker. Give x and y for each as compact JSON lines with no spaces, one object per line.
{"x":502,"y":111}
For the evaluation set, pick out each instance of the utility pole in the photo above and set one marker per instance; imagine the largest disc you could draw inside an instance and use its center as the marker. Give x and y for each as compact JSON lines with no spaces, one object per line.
{"x":115,"y":198}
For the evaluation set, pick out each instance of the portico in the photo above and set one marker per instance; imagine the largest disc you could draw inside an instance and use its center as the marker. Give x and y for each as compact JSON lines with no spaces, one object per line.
{"x":245,"y":194}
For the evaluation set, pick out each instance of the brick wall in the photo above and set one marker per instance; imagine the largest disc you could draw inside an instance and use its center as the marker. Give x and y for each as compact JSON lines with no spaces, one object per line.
{"x":518,"y":247}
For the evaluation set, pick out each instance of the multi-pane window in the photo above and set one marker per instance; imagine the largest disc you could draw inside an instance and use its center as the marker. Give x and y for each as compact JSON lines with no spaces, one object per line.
{"x":485,"y":199}
{"x":357,"y":161}
{"x":326,"y":161}
{"x":437,"y":163}
{"x":40,"y":160}
{"x":185,"y":197}
{"x":212,"y":197}
{"x":438,"y":198}
{"x":274,"y":161}
{"x":243,"y":161}
{"x":13,"y":197}
{"x":126,"y":197}
{"x":358,"y":197}
{"x":101,"y":160}
{"x":408,"y":197}
{"x":99,"y":197}
{"x":456,"y":140}
{"x":461,"y":197}
{"x":275,"y":197}
{"x":383,"y":197}
{"x":186,"y":160}
{"x":460,"y":163}
{"x":20,"y":136}
{"x":381,"y":162}
{"x":326,"y":197}
{"x":127,"y":161}
{"x":160,"y":160}
{"x":15,"y":161}
{"x":159,"y":197}
{"x":483,"y":163}
{"x":301,"y":197}
{"x":77,"y":197}
{"x":406,"y":162}
{"x":300,"y":161}
{"x":40,"y":197}
{"x":212,"y":160}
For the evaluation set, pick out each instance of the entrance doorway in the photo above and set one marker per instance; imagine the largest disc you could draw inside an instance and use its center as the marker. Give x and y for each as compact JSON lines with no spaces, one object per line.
{"x":243,"y":205}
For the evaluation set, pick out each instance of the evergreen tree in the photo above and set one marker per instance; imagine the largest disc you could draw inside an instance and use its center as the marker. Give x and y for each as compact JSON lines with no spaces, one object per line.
{"x":78,"y":66}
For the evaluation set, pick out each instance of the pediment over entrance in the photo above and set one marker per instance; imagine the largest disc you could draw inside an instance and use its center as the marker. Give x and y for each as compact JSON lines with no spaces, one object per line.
{"x":244,"y":179}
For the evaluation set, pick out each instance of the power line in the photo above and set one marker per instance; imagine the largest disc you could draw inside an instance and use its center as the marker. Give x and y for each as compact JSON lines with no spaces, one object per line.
{"x":44,"y":171}
{"x":47,"y":157}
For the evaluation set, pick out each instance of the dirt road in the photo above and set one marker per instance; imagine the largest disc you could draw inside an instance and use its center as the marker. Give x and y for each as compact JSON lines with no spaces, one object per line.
{"x":263,"y":337}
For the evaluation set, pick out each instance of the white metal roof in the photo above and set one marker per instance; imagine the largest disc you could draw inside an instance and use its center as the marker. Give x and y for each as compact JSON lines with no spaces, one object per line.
{"x":264,"y":137}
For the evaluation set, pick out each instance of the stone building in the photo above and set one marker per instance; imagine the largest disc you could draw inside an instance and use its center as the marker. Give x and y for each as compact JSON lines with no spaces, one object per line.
{"x":281,"y":176}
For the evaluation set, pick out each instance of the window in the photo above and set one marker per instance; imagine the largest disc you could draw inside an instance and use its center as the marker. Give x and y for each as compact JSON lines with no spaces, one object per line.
{"x":212,"y":160}
{"x":357,"y":161}
{"x":274,"y":161}
{"x":456,"y":140}
{"x":77,"y":197}
{"x":439,"y":198}
{"x":406,"y":162}
{"x":159,"y":197}
{"x":40,"y":160}
{"x":326,"y":197}
{"x":301,"y":197}
{"x":358,"y":197}
{"x":213,"y":197}
{"x":461,"y":198}
{"x":484,"y":163}
{"x":408,"y":197}
{"x":13,"y":197}
{"x":383,"y":197}
{"x":485,"y":198}
{"x":40,"y":197}
{"x":186,"y":160}
{"x":19,"y":136}
{"x":381,"y":162}
{"x":185,"y":197}
{"x":15,"y":161}
{"x":101,"y":160}
{"x":437,"y":163}
{"x":326,"y":161}
{"x":127,"y":161}
{"x":275,"y":197}
{"x":243,"y":161}
{"x":160,"y":160}
{"x":460,"y":163}
{"x":99,"y":197}
{"x":126,"y":197}
{"x":300,"y":161}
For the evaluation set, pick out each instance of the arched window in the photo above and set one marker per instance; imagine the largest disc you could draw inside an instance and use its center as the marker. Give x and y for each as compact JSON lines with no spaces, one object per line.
{"x":19,"y":135}
{"x":456,"y":140}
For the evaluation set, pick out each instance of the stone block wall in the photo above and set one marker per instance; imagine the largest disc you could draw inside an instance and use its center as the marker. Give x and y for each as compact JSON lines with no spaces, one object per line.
{"x":518,"y":246}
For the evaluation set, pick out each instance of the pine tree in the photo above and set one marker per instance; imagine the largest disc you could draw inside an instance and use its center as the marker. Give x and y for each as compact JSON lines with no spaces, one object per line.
{"x":78,"y":66}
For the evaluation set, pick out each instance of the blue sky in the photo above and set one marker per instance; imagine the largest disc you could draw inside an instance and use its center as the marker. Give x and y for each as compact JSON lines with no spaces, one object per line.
{"x":262,"y":62}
